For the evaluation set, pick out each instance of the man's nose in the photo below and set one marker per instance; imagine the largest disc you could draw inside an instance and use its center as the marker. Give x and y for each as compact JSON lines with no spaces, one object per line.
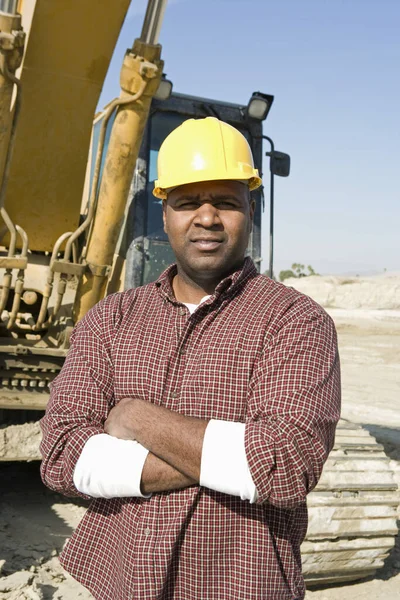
{"x":207,"y":215}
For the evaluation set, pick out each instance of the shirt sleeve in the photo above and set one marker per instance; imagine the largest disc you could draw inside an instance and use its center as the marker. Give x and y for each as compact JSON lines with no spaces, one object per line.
{"x":294,"y":406}
{"x":80,"y":400}
{"x":110,"y":468}
{"x":224,"y":466}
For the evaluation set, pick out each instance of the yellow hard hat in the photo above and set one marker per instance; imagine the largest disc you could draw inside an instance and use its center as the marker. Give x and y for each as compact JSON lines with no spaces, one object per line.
{"x":204,"y":150}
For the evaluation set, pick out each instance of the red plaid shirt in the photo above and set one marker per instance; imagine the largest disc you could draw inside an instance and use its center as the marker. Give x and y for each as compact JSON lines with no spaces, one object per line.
{"x":255,"y":352}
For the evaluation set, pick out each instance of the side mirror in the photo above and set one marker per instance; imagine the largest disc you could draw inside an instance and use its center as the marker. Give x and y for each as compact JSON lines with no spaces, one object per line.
{"x":279,"y":163}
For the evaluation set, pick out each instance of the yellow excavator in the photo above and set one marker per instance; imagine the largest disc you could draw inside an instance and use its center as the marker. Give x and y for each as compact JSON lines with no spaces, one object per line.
{"x":78,"y":221}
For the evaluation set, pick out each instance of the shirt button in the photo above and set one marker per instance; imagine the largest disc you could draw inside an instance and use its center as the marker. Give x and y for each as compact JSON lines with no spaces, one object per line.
{"x":147,"y":531}
{"x":182,"y":311}
{"x":174,"y":394}
{"x":182,"y":351}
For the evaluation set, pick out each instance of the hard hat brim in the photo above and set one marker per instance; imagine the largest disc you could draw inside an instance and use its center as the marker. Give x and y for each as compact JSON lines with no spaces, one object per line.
{"x":162,"y":192}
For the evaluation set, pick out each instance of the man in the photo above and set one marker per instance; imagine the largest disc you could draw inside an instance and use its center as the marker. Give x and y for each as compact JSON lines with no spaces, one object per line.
{"x":198,"y":410}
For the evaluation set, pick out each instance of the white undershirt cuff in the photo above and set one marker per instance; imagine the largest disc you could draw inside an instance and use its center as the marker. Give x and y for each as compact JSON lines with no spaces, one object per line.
{"x":110,"y":468}
{"x":224,"y":466}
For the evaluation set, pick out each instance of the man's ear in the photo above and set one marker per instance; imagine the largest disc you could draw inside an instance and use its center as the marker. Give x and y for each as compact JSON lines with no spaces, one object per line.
{"x":164,"y":214}
{"x":252,"y":209}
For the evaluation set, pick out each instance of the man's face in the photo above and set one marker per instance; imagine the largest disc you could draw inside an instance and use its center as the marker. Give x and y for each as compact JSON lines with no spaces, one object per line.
{"x":208,"y":226}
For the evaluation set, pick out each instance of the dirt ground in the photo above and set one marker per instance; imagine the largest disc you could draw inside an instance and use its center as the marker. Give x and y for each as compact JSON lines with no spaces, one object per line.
{"x":35,"y":522}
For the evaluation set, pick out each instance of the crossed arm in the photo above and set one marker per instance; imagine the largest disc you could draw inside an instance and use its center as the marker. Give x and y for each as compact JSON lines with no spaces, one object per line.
{"x":175,"y":442}
{"x":147,"y":448}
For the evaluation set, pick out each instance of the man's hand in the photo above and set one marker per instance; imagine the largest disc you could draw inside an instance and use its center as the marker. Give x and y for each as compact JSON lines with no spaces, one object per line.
{"x":157,"y":475}
{"x":176,"y":439}
{"x":120,"y":420}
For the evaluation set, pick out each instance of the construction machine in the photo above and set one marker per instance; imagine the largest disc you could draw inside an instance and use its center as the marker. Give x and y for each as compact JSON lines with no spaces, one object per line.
{"x":79,"y":221}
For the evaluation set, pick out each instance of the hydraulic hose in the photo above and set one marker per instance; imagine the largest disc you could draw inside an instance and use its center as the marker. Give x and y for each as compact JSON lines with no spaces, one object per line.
{"x":19,"y":283}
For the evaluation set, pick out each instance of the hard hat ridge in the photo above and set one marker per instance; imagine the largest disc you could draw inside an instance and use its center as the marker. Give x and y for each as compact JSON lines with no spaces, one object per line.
{"x":204,"y":150}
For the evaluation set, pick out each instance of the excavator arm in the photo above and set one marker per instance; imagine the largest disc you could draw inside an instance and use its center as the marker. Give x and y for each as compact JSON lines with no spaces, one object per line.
{"x":43,"y":162}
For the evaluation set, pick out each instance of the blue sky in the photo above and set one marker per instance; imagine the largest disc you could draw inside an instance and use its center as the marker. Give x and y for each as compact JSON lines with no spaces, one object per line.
{"x":333,"y":66}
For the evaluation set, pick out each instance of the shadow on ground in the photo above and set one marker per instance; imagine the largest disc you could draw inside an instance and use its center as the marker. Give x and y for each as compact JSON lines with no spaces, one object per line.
{"x":388,"y":437}
{"x":31,"y":531}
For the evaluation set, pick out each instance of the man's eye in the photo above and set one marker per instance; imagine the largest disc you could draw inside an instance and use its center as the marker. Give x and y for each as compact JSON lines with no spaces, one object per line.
{"x":225,"y":204}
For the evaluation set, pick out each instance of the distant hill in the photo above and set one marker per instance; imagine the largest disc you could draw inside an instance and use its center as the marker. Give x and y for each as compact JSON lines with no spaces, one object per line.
{"x":379,"y":292}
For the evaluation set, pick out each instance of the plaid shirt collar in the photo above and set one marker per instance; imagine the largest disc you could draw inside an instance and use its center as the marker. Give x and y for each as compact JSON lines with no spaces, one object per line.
{"x":228,"y":287}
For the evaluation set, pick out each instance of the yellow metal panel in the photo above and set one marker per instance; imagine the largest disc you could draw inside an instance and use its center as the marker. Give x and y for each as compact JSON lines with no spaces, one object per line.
{"x":69,"y":49}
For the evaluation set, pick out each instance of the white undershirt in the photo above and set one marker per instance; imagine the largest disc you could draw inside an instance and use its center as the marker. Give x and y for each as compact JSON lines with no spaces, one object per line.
{"x":112,"y":468}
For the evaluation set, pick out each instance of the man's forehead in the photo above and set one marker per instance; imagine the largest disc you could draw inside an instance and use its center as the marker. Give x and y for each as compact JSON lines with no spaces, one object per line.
{"x":211,"y":188}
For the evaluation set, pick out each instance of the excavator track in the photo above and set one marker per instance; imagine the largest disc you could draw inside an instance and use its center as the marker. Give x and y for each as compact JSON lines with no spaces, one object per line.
{"x":352,"y":512}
